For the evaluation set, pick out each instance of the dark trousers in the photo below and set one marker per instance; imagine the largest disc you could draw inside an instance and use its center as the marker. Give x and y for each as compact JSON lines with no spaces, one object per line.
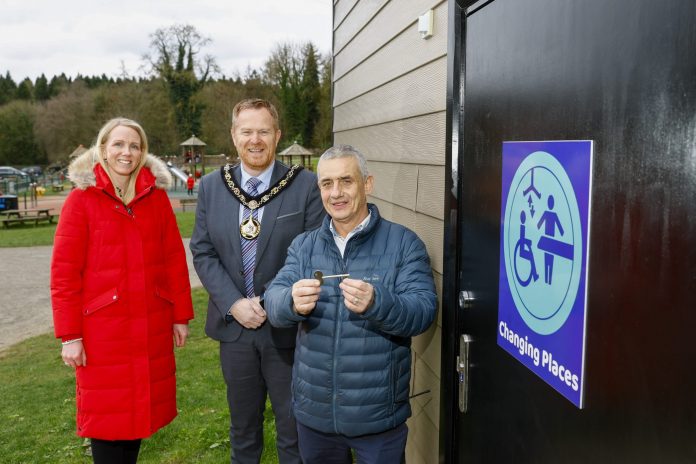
{"x":115,"y":451}
{"x":329,"y":448}
{"x":253,"y":367}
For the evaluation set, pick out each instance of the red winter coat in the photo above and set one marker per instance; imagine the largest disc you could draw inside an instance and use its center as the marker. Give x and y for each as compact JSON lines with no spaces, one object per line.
{"x":119,"y":280}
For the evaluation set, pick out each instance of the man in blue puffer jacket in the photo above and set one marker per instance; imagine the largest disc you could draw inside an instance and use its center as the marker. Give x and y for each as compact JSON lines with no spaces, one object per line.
{"x":359,"y":287}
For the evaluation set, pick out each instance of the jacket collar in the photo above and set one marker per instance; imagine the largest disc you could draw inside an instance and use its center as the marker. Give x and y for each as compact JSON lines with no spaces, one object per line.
{"x":375,"y":218}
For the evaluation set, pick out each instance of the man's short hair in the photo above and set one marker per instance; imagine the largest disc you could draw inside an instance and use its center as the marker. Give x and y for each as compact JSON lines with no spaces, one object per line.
{"x":346,"y":151}
{"x":255,"y":103}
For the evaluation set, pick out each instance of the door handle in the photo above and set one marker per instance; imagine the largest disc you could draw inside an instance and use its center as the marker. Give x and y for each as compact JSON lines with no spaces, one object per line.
{"x":466,"y":299}
{"x":463,"y":371}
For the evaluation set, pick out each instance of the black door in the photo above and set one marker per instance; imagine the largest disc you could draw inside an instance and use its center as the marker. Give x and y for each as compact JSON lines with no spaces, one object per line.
{"x":621,"y":73}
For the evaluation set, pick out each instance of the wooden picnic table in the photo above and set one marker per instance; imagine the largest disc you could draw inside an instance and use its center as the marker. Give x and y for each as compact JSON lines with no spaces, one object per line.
{"x":21,"y":216}
{"x":19,"y":213}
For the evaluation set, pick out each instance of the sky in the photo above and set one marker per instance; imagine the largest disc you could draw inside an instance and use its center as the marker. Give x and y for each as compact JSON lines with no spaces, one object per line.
{"x":95,"y":37}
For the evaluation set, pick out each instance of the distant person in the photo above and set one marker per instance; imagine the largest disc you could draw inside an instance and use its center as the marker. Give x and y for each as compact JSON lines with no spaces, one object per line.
{"x":353,"y":357}
{"x":246,"y":217}
{"x":120,"y":292}
{"x":190,"y":182}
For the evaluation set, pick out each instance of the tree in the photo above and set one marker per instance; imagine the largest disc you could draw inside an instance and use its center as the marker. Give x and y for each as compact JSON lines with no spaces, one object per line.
{"x":41,"y":90}
{"x":283,"y":71}
{"x":323,"y":131}
{"x":25,"y":90}
{"x":310,"y":92}
{"x":292,"y":71}
{"x":175,"y":58}
{"x":66,"y":121}
{"x":18,"y":144}
{"x":8,"y":89}
{"x":58,"y":84}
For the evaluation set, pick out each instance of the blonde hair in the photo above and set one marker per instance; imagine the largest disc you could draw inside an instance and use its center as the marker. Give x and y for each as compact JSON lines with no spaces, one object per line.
{"x":99,"y":152}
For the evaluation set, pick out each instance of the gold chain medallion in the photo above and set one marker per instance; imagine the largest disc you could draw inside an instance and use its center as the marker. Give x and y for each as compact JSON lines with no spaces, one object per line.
{"x":250,"y":228}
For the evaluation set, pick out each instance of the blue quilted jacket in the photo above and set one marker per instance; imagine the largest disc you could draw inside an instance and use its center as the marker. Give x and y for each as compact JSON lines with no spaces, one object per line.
{"x":351,"y":372}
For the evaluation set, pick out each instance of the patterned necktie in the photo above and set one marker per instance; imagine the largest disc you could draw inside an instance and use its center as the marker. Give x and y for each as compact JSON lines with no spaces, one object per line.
{"x":249,"y":246}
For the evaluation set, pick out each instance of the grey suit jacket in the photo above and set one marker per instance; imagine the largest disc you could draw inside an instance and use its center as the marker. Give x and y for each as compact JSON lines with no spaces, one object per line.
{"x":216,"y":246}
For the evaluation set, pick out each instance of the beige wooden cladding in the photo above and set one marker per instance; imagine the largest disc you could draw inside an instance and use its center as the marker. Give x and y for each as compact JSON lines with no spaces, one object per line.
{"x":431,"y":196}
{"x":341,"y":10}
{"x":420,"y":92}
{"x":393,"y":18}
{"x":389,"y":100}
{"x":360,"y":15}
{"x":420,"y":140}
{"x":429,"y":229}
{"x":390,"y":62}
{"x":407,"y":185}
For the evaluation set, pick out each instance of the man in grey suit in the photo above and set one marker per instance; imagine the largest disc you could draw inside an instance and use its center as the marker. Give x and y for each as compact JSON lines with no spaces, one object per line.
{"x":246,"y":217}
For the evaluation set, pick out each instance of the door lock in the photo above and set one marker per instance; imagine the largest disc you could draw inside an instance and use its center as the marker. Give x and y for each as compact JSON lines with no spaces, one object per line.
{"x":463,"y":371}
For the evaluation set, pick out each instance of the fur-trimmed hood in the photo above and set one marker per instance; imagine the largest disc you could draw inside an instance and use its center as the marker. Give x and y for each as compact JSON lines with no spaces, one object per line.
{"x":81,"y":171}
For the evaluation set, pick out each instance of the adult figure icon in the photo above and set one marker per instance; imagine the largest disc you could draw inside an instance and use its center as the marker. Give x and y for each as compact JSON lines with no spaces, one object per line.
{"x":550,"y":221}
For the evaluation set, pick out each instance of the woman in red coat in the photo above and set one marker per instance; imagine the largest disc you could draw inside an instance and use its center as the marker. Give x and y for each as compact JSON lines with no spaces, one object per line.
{"x":120,"y":292}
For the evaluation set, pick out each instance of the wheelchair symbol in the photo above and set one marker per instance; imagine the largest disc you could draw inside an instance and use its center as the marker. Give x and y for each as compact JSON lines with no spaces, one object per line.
{"x":523,"y":250}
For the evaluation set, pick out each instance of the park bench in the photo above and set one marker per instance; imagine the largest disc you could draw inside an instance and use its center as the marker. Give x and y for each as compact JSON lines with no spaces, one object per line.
{"x":184,"y":202}
{"x":57,"y":187}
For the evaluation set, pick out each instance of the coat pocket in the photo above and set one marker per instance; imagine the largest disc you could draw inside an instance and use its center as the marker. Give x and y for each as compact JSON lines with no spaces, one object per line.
{"x":164,"y":294}
{"x":102,"y":301}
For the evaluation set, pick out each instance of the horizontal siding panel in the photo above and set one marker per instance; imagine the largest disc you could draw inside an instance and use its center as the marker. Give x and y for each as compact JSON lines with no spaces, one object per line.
{"x":396,"y":16}
{"x":341,"y":10}
{"x":420,"y":92}
{"x":430,"y":230}
{"x":395,"y":183}
{"x":430,"y":199}
{"x":401,"y":55}
{"x":419,"y":140}
{"x":358,"y":17}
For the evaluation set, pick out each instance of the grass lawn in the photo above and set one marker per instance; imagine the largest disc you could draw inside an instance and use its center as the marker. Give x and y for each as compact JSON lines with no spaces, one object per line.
{"x":28,"y":235}
{"x":38,"y":406}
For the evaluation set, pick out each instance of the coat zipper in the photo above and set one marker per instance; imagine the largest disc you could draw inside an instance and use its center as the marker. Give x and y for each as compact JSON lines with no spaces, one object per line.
{"x":337,"y":326}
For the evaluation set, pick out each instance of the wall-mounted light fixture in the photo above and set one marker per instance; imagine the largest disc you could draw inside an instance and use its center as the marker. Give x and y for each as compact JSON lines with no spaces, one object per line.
{"x":425,"y":24}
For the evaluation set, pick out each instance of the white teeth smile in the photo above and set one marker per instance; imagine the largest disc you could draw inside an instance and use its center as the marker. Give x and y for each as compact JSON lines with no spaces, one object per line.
{"x":124,"y":161}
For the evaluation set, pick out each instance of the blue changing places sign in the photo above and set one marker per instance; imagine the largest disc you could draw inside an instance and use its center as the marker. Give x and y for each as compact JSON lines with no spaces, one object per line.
{"x":543,"y":259}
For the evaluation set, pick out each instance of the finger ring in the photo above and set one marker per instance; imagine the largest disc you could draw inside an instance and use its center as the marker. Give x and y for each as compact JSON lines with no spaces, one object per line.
{"x":356,"y":300}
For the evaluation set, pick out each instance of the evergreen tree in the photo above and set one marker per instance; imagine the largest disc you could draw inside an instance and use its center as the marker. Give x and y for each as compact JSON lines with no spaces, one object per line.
{"x":41,"y":90}
{"x":58,"y":84}
{"x":310,"y":93}
{"x":25,"y":90}
{"x":8,"y":89}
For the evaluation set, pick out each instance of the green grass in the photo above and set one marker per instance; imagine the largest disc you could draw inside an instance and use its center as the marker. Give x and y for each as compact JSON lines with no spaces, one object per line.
{"x":186,"y":220}
{"x":38,"y":406}
{"x":28,"y":235}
